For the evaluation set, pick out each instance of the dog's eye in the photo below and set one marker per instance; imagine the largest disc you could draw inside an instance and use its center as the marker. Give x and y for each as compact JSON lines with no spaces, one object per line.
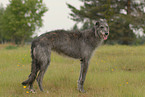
{"x":101,"y":27}
{"x":97,"y":23}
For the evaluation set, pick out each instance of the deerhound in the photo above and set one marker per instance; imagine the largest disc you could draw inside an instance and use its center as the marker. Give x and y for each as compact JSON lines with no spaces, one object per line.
{"x":78,"y":45}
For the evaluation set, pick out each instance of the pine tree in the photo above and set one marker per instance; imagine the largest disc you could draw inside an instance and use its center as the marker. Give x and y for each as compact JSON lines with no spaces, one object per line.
{"x":121,"y":15}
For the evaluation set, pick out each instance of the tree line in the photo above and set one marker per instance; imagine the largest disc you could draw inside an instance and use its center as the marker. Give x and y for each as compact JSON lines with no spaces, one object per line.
{"x":21,"y":18}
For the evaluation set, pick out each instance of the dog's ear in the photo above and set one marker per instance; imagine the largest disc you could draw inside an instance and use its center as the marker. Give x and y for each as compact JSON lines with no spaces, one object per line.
{"x":105,"y":20}
{"x":95,"y":27}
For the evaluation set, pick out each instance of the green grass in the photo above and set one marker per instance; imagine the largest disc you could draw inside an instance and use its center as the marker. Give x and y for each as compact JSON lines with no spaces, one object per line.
{"x":114,"y":71}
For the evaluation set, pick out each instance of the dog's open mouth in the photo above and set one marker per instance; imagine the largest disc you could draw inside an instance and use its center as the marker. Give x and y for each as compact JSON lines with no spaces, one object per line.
{"x":105,"y":37}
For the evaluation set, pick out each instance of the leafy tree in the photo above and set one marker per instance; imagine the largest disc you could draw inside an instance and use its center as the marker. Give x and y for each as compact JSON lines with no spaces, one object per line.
{"x":122,"y":15}
{"x":1,"y":15}
{"x":21,"y":18}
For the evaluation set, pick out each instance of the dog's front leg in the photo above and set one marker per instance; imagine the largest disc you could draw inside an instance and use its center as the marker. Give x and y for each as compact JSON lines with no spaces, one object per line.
{"x":83,"y":71}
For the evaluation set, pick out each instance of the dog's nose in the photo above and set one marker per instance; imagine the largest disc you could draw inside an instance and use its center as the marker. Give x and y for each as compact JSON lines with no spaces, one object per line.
{"x":106,"y":33}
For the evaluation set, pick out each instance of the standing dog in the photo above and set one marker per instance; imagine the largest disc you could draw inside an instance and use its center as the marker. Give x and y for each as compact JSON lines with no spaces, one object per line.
{"x":78,"y":45}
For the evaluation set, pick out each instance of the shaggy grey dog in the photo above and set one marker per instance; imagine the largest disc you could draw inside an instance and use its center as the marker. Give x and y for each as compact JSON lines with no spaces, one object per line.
{"x":78,"y":45}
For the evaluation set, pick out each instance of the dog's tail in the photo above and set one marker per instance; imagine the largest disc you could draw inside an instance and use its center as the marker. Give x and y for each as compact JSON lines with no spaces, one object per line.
{"x":34,"y":68}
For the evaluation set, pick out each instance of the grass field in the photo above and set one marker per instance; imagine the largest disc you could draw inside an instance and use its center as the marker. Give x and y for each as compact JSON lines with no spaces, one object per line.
{"x":114,"y":71}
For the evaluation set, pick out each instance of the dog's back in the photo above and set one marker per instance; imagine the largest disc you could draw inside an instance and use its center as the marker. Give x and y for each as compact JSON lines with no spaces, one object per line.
{"x":61,"y":41}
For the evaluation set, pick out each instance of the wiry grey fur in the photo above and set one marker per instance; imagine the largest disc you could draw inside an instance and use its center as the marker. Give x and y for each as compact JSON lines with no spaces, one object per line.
{"x":78,"y":45}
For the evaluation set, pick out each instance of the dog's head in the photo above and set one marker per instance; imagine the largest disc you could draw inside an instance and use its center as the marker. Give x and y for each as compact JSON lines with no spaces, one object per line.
{"x":101,"y":29}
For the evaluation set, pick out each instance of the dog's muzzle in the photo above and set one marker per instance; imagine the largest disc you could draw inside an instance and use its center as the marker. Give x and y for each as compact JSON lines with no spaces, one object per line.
{"x":105,"y":35}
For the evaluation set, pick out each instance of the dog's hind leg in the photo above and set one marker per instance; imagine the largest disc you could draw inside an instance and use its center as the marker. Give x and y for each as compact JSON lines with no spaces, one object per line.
{"x":45,"y":61}
{"x":34,"y":70}
{"x":31,"y":84}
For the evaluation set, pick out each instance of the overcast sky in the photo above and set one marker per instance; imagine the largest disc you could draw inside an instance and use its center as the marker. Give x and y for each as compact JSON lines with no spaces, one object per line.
{"x":57,"y":17}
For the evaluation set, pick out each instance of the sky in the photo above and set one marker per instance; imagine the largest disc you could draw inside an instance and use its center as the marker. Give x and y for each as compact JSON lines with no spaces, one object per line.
{"x":57,"y":16}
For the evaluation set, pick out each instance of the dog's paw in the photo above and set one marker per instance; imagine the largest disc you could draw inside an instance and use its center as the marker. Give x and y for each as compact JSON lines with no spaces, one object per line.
{"x":32,"y":91}
{"x":81,"y":90}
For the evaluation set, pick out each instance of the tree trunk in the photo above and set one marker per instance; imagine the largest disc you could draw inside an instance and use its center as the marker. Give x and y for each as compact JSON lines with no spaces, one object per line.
{"x":23,"y":42}
{"x":128,"y":7}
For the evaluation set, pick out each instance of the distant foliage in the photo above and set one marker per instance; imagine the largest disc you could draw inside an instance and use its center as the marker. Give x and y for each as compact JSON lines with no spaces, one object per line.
{"x":10,"y":47}
{"x":1,"y":24}
{"x":122,"y":15}
{"x":21,"y":18}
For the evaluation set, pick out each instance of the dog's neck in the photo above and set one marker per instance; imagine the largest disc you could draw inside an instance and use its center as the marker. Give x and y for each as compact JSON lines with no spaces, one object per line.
{"x":89,"y":35}
{"x":99,"y":40}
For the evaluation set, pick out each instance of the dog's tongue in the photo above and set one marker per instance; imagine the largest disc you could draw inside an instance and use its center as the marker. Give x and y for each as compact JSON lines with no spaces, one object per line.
{"x":105,"y":37}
